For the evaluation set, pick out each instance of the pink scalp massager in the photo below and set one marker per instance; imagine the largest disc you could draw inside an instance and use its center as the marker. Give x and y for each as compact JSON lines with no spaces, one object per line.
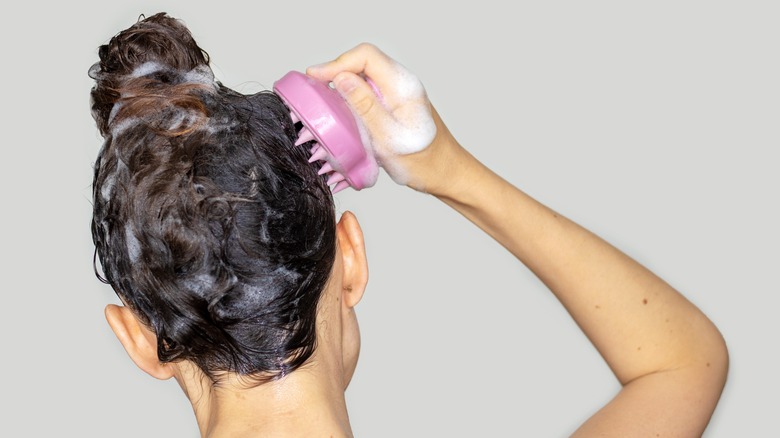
{"x":327,"y":119}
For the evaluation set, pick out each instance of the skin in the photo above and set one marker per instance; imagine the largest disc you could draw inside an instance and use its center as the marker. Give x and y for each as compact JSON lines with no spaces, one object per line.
{"x":669,"y":358}
{"x":306,"y":403}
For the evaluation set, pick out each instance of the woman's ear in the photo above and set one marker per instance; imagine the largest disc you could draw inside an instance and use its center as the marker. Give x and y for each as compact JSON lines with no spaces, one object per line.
{"x":139,"y":342}
{"x":353,"y":256}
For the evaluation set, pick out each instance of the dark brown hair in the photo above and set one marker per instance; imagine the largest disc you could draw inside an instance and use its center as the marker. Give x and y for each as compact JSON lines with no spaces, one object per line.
{"x":208,"y":222}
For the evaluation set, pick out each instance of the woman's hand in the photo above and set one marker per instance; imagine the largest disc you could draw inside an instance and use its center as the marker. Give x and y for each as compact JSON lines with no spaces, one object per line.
{"x":670,"y":359}
{"x":409,"y":139}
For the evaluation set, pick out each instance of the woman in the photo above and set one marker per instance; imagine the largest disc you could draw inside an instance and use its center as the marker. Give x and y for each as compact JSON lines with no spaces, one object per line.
{"x":221,"y":240}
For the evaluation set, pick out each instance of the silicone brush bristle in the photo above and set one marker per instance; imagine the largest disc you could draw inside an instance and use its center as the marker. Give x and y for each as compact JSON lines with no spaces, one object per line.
{"x":328,"y":122}
{"x":319,"y":153}
{"x":304,"y":136}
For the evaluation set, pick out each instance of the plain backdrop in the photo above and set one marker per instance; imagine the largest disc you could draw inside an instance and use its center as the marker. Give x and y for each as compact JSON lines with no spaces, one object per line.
{"x":654,"y":124}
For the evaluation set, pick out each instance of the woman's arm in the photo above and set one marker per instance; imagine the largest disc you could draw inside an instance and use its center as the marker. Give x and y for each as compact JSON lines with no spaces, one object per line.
{"x":670,"y":359}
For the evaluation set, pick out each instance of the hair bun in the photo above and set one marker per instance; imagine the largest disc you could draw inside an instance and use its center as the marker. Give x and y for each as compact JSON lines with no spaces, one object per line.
{"x":154,"y":53}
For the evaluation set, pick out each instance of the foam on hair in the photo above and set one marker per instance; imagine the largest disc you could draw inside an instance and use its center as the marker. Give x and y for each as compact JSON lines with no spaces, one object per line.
{"x":208,"y":222}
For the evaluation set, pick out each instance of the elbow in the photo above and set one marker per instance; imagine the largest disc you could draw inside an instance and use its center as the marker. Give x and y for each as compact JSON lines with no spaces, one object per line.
{"x":719,"y":358}
{"x":709,"y":363}
{"x":707,"y":350}
{"x":714,"y":373}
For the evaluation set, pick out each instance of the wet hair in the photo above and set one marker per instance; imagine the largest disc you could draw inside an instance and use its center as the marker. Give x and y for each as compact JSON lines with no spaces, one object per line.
{"x":208,"y":222}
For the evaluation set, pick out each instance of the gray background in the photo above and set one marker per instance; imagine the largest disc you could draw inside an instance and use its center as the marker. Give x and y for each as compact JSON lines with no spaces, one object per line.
{"x":655,"y":124}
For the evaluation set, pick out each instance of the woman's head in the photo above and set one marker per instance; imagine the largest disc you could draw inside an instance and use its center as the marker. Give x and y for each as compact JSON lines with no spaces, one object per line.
{"x":209,"y":223}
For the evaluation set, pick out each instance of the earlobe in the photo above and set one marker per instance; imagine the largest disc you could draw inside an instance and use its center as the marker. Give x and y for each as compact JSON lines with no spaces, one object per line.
{"x":354,"y":261}
{"x":138,"y":341}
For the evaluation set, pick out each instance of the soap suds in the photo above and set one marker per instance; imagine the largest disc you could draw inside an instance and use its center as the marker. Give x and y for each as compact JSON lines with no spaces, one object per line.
{"x":107,"y":190}
{"x":412,"y":128}
{"x":407,"y":129}
{"x":201,"y":74}
{"x":146,"y":69}
{"x":407,"y":85}
{"x":166,"y":118}
{"x":133,"y":245}
{"x":200,"y":284}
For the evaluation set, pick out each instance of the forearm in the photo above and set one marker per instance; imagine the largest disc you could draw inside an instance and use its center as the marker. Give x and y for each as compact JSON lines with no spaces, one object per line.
{"x":669,"y":357}
{"x":638,"y":323}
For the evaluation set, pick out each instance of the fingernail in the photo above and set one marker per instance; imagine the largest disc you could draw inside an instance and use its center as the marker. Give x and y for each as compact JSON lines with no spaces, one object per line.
{"x":345,"y":84}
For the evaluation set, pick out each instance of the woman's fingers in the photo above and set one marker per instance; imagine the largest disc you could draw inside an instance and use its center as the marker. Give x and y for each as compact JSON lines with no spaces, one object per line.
{"x":391,"y":103}
{"x":367,"y":61}
{"x":363,"y":100}
{"x":364,"y":58}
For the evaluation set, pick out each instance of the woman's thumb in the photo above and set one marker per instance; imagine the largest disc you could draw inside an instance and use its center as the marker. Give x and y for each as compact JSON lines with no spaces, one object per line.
{"x":360,"y":96}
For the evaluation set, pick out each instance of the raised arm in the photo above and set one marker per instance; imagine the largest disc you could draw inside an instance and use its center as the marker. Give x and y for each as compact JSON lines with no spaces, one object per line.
{"x":670,"y":359}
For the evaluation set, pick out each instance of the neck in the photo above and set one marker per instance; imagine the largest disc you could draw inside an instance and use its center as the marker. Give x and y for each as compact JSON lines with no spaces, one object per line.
{"x":307,"y":402}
